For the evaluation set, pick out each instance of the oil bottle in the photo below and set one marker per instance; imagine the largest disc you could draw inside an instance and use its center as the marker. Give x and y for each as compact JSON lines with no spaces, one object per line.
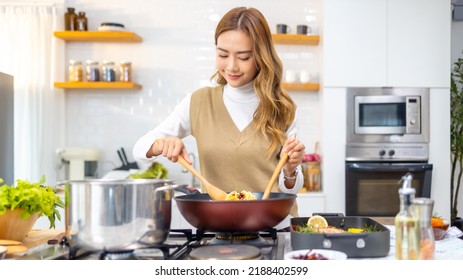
{"x":407,"y":227}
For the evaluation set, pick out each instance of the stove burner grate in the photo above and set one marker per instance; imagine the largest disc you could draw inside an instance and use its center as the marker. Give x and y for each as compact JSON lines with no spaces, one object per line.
{"x":181,"y":242}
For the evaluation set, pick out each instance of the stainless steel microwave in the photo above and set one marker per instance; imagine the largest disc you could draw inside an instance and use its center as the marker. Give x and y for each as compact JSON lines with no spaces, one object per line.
{"x":387,"y":115}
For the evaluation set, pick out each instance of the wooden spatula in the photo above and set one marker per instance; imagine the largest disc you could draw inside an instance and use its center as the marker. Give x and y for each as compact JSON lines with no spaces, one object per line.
{"x":277,"y":171}
{"x":214,"y":192}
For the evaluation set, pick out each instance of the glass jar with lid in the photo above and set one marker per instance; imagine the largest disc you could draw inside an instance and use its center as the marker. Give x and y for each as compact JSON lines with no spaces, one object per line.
{"x":109,"y":71}
{"x":76,"y":71}
{"x":93,"y":71}
{"x":125,"y":71}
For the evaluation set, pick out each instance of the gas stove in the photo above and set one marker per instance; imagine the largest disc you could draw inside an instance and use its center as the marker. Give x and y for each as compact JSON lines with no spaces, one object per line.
{"x":181,"y":244}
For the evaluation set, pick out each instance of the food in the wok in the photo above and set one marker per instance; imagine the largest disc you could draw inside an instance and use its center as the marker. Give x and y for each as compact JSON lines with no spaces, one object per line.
{"x":243,"y":195}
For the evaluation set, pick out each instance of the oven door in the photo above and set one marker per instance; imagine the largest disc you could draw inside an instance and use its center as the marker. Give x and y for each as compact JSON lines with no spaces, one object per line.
{"x":372,"y":188}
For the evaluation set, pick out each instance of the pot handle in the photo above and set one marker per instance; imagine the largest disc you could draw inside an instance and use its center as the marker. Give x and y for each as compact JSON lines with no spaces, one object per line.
{"x":186,"y":189}
{"x":59,"y":187}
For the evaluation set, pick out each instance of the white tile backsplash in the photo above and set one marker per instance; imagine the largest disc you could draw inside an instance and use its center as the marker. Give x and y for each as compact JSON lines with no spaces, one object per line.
{"x":175,"y":58}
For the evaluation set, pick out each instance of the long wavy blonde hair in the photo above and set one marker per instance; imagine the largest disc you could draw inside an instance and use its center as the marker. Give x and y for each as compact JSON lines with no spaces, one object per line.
{"x":276,"y":110}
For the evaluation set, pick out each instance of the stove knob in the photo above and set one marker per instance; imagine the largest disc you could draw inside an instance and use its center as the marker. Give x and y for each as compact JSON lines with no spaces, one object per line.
{"x":382,"y":153}
{"x":391,"y":152}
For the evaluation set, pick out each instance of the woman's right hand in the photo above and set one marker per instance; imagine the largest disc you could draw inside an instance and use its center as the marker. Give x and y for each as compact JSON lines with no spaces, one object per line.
{"x":170,"y":147}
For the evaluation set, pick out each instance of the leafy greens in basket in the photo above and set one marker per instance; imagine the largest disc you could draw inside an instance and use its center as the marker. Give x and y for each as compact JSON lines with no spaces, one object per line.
{"x":31,"y":198}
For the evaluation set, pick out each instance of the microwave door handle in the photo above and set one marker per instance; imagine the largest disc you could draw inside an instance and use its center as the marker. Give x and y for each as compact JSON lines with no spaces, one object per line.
{"x":389,"y":167}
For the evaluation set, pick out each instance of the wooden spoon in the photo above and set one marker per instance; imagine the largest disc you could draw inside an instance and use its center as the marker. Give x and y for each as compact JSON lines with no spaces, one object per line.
{"x":277,"y":171}
{"x":214,"y":192}
{"x":282,"y":162}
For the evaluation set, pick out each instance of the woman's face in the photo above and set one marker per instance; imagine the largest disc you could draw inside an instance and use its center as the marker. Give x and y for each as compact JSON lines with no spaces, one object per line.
{"x":234,"y":58}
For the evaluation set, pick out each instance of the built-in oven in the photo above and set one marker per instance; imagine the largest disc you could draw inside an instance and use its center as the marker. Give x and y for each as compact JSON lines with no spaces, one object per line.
{"x":387,"y":136}
{"x":372,"y":187}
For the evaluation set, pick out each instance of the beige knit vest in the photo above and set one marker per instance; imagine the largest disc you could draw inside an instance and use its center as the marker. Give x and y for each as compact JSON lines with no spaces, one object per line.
{"x":229,"y":159}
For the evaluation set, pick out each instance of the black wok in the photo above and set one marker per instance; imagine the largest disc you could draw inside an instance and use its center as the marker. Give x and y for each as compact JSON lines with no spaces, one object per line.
{"x":235,"y":216}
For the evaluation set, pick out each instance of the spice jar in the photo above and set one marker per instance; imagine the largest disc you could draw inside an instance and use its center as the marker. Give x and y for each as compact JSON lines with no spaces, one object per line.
{"x":109,"y":71}
{"x":93,"y":71}
{"x":70,"y":19}
{"x":125,"y":71}
{"x":75,"y":71}
{"x":312,"y":176}
{"x":81,"y":22}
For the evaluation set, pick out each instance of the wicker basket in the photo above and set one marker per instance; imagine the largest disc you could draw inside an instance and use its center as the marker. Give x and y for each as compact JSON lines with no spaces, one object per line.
{"x":13,"y":227}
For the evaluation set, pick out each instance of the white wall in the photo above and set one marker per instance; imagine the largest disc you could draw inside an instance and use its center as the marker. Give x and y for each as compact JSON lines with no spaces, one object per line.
{"x":176,"y":57}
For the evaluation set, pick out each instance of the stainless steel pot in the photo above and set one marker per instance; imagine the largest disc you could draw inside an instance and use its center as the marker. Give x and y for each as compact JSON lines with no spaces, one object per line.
{"x":117,"y":214}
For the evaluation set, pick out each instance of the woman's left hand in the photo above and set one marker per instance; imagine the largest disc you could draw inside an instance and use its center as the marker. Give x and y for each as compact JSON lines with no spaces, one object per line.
{"x":296,"y":151}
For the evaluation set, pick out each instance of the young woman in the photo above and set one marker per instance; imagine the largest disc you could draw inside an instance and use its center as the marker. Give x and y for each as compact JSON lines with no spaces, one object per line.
{"x":242,"y":125}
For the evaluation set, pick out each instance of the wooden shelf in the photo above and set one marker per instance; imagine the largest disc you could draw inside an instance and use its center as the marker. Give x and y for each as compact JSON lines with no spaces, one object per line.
{"x":98,"y":36}
{"x":97,"y":85}
{"x":296,"y":39}
{"x":301,"y":87}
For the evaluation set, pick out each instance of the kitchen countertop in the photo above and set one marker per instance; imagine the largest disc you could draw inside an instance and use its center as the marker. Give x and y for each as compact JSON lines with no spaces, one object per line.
{"x":449,"y":248}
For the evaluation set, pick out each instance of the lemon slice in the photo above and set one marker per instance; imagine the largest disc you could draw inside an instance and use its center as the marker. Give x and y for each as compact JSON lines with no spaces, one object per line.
{"x":317,"y":222}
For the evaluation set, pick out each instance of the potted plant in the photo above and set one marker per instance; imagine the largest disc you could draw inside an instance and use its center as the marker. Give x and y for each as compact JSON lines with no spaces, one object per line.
{"x":456,"y":137}
{"x":23,"y":204}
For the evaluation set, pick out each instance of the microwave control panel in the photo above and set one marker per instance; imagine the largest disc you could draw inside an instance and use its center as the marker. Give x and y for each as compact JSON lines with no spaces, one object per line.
{"x":413,"y":114}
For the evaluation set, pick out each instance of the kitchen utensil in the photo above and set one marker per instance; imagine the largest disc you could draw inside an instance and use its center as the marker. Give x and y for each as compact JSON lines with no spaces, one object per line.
{"x":355,"y":245}
{"x":235,"y":216}
{"x":117,"y":214}
{"x":214,"y":192}
{"x":126,"y":165}
{"x":275,"y":174}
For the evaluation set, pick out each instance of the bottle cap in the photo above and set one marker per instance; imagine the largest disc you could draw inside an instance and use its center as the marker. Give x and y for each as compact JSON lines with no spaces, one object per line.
{"x":407,"y":188}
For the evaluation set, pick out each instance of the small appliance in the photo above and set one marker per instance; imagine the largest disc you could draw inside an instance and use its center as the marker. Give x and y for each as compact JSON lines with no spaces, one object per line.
{"x":81,"y":162}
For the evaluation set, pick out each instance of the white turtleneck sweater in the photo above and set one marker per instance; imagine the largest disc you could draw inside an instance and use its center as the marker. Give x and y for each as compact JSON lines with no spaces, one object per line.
{"x":241,"y":104}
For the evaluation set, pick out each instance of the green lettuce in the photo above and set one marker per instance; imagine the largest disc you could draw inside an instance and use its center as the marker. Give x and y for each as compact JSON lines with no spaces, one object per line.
{"x":31,"y":198}
{"x":155,"y":171}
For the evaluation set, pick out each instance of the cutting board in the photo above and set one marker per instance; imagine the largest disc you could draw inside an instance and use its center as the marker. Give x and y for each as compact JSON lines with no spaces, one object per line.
{"x":34,"y":238}
{"x":39,"y":236}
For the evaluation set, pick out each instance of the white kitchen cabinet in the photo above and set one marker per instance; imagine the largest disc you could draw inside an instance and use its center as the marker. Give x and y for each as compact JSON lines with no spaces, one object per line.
{"x":419,"y":43}
{"x":386,"y":43}
{"x":310,"y":202}
{"x":354,"y":47}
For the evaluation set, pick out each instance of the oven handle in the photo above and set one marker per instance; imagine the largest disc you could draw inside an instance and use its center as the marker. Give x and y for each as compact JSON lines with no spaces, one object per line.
{"x":403,"y":167}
